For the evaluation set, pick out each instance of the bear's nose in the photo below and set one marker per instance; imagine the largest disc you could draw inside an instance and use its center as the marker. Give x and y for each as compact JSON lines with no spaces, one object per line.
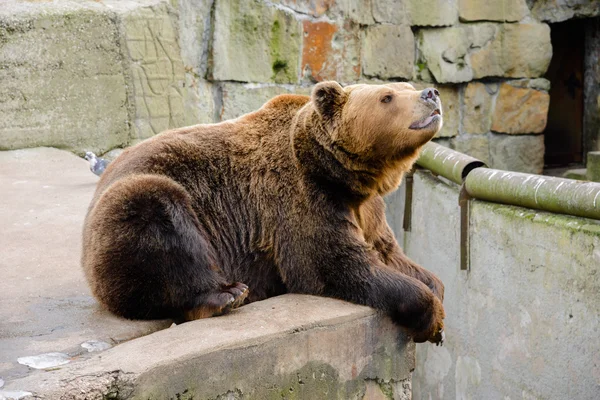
{"x":430,"y":94}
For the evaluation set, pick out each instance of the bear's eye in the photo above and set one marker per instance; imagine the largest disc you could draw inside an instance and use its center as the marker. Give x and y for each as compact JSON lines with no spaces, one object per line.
{"x":386,"y":98}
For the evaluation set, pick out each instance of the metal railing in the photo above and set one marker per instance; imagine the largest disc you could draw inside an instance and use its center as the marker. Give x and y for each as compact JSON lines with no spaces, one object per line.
{"x":557,"y":195}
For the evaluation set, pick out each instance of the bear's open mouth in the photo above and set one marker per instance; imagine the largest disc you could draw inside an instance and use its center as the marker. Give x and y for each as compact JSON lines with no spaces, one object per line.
{"x":425,"y":122}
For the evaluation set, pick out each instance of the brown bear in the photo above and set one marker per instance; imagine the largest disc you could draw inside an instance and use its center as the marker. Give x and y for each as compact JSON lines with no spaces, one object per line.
{"x":284,"y":199}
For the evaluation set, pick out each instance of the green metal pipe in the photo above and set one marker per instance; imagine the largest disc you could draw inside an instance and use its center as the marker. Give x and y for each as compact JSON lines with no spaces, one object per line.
{"x":448,"y":163}
{"x":559,"y":195}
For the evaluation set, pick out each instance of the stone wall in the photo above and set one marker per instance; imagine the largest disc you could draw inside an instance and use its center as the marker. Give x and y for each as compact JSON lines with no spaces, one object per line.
{"x":83,"y":74}
{"x":522,"y":323}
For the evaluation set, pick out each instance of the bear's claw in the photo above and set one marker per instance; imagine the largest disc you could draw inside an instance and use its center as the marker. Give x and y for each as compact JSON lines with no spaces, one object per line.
{"x":439,"y":338}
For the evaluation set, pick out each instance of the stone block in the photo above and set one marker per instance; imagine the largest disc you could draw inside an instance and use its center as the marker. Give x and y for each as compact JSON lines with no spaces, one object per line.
{"x":357,"y":11}
{"x":486,"y":54}
{"x":526,"y":50}
{"x":444,"y":51}
{"x":593,"y":166}
{"x":156,"y":68}
{"x":465,"y":52}
{"x":451,"y":105}
{"x":432,"y":12}
{"x":62,"y":81}
{"x":388,"y":51}
{"x":194,"y":33}
{"x":391,"y":11}
{"x":561,"y":10}
{"x":239,"y":99}
{"x":474,"y":145}
{"x":520,"y":153}
{"x":520,"y":110}
{"x":477,"y":110}
{"x":493,"y":10}
{"x":198,"y":101}
{"x":255,"y":42}
{"x":315,"y":8}
{"x":330,"y":52}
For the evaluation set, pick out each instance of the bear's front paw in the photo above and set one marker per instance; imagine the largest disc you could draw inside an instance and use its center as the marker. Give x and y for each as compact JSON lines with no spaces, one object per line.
{"x":431,"y":326}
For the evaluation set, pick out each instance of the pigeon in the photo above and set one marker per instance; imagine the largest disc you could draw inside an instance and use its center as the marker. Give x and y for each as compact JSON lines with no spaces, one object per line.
{"x":97,"y":165}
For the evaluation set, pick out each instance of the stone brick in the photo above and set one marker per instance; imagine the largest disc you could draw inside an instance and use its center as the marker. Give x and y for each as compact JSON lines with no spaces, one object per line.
{"x":444,"y":51}
{"x":255,"y":42}
{"x":451,"y":105}
{"x":493,"y":10}
{"x":474,"y":145}
{"x":433,"y":12}
{"x":465,"y":52}
{"x":239,"y":99}
{"x":486,"y":55}
{"x":526,"y":50}
{"x":521,"y":153}
{"x":560,"y":10}
{"x":519,"y":110}
{"x":157,"y":70}
{"x":357,"y":11}
{"x":593,"y":166}
{"x":477,"y":110}
{"x":194,"y":33}
{"x":199,"y":104}
{"x":391,"y":11}
{"x":316,"y":8}
{"x":61,"y":79}
{"x":388,"y":51}
{"x":331,"y":52}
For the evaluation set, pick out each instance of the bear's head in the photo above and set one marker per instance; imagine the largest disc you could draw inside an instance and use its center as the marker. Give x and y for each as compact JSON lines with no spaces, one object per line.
{"x":376,"y":128}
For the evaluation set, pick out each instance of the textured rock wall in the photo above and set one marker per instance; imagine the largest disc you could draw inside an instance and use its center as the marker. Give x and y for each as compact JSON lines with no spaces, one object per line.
{"x":98,"y":75}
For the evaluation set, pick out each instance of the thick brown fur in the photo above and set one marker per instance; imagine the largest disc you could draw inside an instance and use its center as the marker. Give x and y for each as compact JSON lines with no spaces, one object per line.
{"x":284,"y":199}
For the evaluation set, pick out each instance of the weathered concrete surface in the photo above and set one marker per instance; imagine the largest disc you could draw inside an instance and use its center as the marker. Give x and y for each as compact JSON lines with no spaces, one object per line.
{"x":287,"y":347}
{"x":523,"y":320}
{"x":45,"y":304}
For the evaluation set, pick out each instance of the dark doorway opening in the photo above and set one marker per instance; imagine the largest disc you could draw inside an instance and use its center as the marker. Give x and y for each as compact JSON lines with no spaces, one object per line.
{"x":564,"y":131}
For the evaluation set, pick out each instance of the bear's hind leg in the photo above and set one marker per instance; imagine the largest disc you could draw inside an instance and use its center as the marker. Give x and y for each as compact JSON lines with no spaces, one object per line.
{"x":147,"y":256}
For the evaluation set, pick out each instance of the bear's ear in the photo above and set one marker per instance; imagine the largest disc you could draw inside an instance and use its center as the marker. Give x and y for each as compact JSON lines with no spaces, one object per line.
{"x":328,"y":98}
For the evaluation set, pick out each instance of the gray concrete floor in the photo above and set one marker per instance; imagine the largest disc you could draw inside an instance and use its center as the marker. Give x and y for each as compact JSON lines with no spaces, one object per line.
{"x":45,"y":304}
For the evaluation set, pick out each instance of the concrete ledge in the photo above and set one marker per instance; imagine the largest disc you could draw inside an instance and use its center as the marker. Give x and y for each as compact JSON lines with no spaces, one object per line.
{"x":286,"y":347}
{"x":291,"y":346}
